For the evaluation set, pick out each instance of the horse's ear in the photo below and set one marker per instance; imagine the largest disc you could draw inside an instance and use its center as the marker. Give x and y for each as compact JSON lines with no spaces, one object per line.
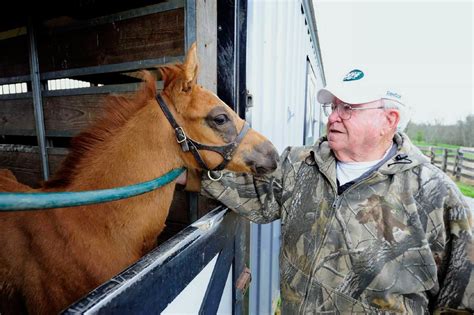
{"x":149,"y":86}
{"x":168,"y":74}
{"x":191,"y":66}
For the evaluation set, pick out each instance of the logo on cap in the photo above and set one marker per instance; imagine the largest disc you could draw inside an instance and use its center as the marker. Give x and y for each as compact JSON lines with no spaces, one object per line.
{"x":354,"y":75}
{"x":393,"y":94}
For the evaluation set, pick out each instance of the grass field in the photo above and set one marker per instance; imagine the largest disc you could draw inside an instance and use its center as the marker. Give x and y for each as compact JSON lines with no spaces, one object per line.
{"x":466,"y":189}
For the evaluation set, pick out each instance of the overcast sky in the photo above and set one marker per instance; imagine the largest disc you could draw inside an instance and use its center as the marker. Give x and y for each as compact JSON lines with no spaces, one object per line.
{"x":426,"y":46}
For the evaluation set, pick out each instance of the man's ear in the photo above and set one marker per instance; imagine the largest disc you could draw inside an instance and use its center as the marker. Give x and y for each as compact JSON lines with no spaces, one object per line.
{"x":393,"y":117}
{"x":191,"y":66}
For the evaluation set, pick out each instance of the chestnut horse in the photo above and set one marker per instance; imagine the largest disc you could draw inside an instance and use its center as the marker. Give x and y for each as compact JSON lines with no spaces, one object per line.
{"x":50,"y":258}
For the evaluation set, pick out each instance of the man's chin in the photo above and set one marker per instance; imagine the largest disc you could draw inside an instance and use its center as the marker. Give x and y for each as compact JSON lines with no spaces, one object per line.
{"x":332,"y":144}
{"x":333,"y":138}
{"x":336,"y":144}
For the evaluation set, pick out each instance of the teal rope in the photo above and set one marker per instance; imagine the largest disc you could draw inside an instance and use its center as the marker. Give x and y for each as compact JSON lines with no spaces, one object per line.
{"x":30,"y":201}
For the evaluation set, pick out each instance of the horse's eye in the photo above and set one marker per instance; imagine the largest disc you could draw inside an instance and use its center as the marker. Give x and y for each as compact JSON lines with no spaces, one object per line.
{"x":221,"y":119}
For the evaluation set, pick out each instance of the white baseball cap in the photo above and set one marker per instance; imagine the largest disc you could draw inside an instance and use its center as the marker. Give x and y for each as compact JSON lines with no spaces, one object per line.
{"x":358,"y":87}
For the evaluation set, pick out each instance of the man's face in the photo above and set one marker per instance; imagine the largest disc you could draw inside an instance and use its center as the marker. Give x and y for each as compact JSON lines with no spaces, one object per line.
{"x":355,"y":137}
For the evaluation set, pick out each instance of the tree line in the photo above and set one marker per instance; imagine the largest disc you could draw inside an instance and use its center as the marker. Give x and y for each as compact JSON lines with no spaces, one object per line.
{"x":461,"y":133}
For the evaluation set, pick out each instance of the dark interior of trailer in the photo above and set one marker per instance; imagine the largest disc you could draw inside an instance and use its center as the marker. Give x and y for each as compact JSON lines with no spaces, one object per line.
{"x":76,"y":53}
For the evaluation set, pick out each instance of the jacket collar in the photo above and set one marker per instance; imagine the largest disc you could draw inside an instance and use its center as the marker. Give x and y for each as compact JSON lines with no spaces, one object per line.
{"x":407,"y":157}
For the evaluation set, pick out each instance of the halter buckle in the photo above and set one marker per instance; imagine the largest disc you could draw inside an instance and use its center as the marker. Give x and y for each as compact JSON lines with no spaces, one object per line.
{"x":180,"y":135}
{"x":181,"y":138}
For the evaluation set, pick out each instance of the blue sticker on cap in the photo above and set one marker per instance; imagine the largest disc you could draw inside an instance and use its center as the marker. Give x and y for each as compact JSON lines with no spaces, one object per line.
{"x":354,"y":75}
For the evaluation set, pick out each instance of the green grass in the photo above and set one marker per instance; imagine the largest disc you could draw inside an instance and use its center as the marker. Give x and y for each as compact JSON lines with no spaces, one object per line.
{"x":278,"y":307}
{"x":467,"y":190}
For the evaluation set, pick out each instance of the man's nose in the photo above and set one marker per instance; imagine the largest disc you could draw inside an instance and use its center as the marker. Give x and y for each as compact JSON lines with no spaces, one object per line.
{"x":334,"y":116}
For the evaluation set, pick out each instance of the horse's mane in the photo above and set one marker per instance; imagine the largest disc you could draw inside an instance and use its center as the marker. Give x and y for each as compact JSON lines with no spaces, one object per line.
{"x":117,"y":111}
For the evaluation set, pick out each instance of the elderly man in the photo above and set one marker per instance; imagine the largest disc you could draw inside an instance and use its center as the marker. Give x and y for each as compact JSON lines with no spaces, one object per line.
{"x":368,"y":224}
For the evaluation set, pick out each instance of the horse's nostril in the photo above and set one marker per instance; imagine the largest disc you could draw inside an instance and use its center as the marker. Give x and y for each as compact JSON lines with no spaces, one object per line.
{"x":274,"y":164}
{"x":260,"y":170}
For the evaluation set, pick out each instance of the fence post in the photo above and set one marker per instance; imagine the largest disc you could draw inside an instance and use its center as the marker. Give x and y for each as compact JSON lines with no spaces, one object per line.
{"x":444,"y":164}
{"x":456,"y":161}
{"x":459,"y":157}
{"x":432,"y":155}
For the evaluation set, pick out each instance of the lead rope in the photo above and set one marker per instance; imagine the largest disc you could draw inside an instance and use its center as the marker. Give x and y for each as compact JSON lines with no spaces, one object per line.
{"x":39,"y":201}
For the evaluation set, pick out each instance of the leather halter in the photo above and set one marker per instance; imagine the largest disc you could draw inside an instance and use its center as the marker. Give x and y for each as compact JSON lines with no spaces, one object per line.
{"x":188,"y":144}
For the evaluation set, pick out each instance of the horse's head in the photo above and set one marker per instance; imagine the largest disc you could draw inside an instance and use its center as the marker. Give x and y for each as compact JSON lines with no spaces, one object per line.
{"x":214,"y":134}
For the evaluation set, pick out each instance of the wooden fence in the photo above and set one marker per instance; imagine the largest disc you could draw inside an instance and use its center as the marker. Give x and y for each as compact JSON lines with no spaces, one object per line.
{"x":457,"y":162}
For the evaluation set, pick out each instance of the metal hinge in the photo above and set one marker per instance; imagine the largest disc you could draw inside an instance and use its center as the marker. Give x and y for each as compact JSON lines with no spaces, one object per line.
{"x":249,"y":100}
{"x":243,"y":282}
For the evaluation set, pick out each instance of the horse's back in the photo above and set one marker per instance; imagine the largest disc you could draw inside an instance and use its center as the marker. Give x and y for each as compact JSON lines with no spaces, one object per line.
{"x":9,"y":183}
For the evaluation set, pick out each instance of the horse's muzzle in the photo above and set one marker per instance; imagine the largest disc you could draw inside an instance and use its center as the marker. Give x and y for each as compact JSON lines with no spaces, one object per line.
{"x":263,"y":159}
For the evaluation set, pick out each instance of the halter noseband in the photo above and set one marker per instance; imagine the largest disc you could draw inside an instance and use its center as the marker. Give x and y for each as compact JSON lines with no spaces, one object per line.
{"x":188,"y":144}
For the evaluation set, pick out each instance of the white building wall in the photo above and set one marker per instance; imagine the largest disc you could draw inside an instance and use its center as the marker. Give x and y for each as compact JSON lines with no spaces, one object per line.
{"x":278,"y":46}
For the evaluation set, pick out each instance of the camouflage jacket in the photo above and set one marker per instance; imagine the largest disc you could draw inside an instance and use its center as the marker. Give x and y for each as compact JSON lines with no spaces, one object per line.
{"x":398,"y":241}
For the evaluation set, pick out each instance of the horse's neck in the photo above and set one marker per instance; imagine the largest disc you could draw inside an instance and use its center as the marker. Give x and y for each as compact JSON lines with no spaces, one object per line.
{"x":142,"y":150}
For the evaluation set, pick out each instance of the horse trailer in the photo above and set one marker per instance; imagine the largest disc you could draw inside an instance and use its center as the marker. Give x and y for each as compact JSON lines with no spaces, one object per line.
{"x":60,"y":60}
